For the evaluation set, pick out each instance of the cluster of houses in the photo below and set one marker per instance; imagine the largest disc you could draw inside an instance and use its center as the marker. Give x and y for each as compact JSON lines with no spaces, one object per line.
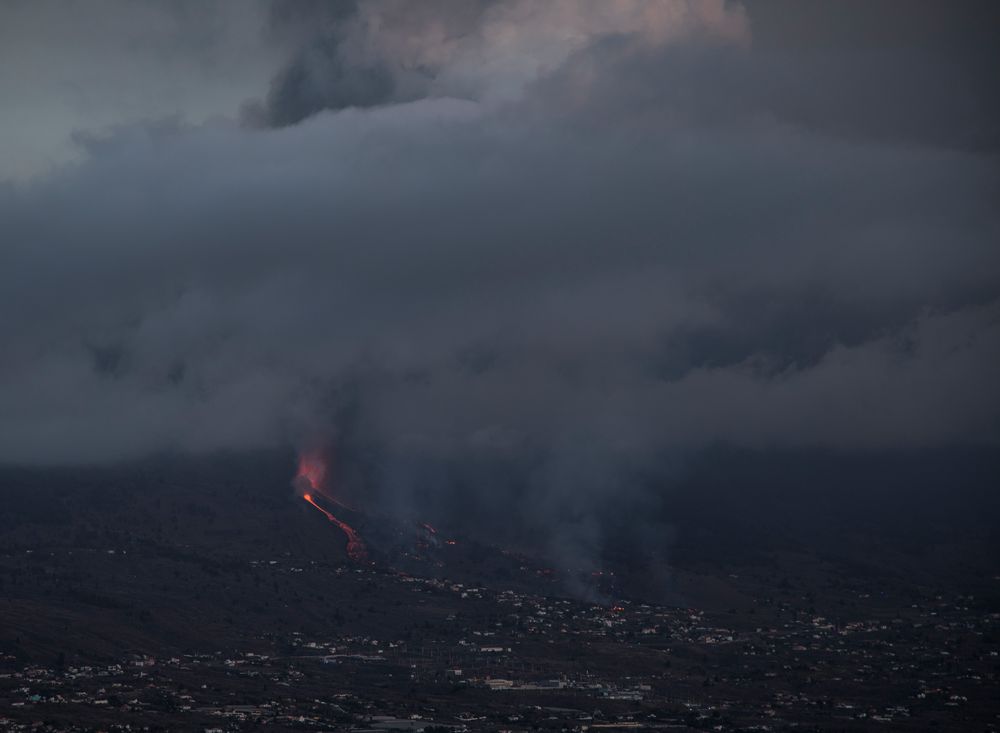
{"x":511,"y":660}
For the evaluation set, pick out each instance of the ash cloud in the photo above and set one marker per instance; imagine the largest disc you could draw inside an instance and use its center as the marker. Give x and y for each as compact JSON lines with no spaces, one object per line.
{"x":547,"y":257}
{"x":377,"y":52}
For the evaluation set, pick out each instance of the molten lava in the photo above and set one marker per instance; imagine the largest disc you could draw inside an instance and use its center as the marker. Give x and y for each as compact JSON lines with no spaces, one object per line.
{"x":356,"y":549}
{"x":311,"y":476}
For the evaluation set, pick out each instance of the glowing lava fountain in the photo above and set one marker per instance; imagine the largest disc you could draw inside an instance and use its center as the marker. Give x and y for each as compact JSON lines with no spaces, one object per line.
{"x":311,"y":474}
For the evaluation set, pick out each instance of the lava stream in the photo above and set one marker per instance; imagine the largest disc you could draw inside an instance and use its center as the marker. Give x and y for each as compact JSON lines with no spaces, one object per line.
{"x":356,"y":549}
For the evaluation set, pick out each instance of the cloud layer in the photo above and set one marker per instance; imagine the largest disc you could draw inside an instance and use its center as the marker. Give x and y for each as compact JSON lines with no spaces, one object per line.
{"x":512,"y":246}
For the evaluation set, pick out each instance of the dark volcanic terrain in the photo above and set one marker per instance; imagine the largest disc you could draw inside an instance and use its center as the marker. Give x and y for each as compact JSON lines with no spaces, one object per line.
{"x":206,"y":595}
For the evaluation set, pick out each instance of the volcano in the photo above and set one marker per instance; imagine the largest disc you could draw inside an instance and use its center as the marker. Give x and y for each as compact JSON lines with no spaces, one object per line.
{"x":311,"y":479}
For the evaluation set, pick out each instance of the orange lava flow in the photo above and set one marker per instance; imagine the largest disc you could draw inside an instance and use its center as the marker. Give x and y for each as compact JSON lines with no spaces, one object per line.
{"x":356,"y":549}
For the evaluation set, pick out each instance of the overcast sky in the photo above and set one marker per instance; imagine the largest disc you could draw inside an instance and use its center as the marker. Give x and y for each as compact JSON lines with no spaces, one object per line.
{"x":557,"y":240}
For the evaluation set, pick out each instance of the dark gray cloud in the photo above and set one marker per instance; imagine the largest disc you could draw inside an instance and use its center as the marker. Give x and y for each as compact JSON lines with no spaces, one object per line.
{"x":922,"y":74}
{"x":919,"y":72}
{"x":319,"y":75}
{"x":548,"y":284}
{"x":317,"y":80}
{"x":87,"y":64}
{"x":891,"y":93}
{"x":364,"y":54}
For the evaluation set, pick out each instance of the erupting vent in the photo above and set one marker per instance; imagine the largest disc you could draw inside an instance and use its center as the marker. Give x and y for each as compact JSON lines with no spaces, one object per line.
{"x":311,"y":476}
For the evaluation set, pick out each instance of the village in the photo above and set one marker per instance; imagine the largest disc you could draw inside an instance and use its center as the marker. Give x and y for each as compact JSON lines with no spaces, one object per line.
{"x":501,"y":659}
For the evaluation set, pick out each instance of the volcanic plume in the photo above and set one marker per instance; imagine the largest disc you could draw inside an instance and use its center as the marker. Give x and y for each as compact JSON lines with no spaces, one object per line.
{"x":311,"y":480}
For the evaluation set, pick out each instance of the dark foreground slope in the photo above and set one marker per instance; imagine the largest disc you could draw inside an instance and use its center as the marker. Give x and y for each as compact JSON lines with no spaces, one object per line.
{"x":185,"y":595}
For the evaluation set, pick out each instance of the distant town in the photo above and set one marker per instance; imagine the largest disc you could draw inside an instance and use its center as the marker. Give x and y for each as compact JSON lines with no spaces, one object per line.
{"x":509,"y":660}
